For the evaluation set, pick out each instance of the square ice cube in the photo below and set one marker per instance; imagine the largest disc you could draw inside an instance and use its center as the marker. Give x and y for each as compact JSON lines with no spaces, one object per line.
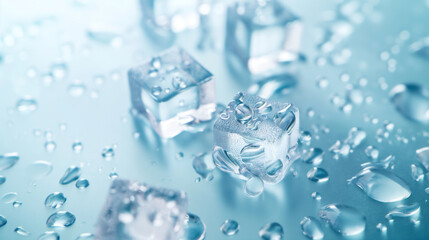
{"x":170,"y":16}
{"x":172,"y":91}
{"x":256,"y":136}
{"x":136,"y":211}
{"x":263,"y":37}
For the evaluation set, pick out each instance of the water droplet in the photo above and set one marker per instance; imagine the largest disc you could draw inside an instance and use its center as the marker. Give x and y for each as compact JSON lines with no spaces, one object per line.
{"x":224,"y":161}
{"x":60,"y":219}
{"x":355,"y":137}
{"x":39,"y":169}
{"x":372,"y":152}
{"x":59,"y":71}
{"x":7,"y":160}
{"x":313,"y":156}
{"x":203,"y":165}
{"x":194,"y":228}
{"x":355,"y":96}
{"x":343,"y":219}
{"x":2,"y":179}
{"x":417,"y":173}
{"x":9,"y":197}
{"x":252,"y":152}
{"x":412,"y":101}
{"x":305,"y":138}
{"x":49,"y":235}
{"x":50,"y":145}
{"x":318,"y":175}
{"x":21,"y":231}
{"x":421,"y":48}
{"x":381,"y":227}
{"x":179,"y":156}
{"x":3,"y":221}
{"x":274,"y":168}
{"x":108,"y":153}
{"x":381,"y":185}
{"x":311,"y":228}
{"x":26,"y":105}
{"x":156,"y":90}
{"x":316,"y":196}
{"x":285,"y":119}
{"x":86,"y":236}
{"x":243,"y":113}
{"x":16,"y":204}
{"x":263,"y":107}
{"x":76,"y":89}
{"x":230,"y":227}
{"x":254,"y":186}
{"x":55,"y":200}
{"x":77,"y":146}
{"x":403,"y":211}
{"x":72,"y":174}
{"x":113,"y":175}
{"x":271,"y":231}
{"x":422,"y":156}
{"x":82,"y":183}
{"x":179,"y":82}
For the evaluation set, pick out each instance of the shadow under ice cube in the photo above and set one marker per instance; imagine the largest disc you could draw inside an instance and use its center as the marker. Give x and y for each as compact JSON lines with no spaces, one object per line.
{"x":263,"y":38}
{"x":136,"y":211}
{"x":256,"y":137}
{"x":172,"y":91}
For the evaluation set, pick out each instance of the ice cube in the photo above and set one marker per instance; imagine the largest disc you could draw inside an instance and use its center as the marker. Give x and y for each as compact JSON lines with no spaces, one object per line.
{"x":136,"y":211}
{"x":164,"y":17}
{"x":172,"y":91}
{"x":263,"y":38}
{"x":256,"y":136}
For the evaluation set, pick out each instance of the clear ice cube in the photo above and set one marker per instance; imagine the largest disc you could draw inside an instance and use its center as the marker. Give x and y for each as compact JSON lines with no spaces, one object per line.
{"x":164,"y":17}
{"x":256,"y":137}
{"x":172,"y":91}
{"x":263,"y":38}
{"x":136,"y":211}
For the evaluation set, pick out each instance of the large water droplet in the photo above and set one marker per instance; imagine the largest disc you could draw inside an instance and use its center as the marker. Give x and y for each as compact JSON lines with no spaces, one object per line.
{"x":9,"y":197}
{"x":224,"y":161}
{"x":26,"y":105}
{"x":412,"y":101}
{"x":343,"y":219}
{"x":49,"y":235}
{"x":82,"y":183}
{"x":86,"y":236}
{"x":317,"y":175}
{"x":254,"y":186}
{"x":381,"y":185}
{"x":313,"y":156}
{"x":39,"y":169}
{"x":271,"y":231}
{"x":60,"y":219}
{"x":194,"y":228}
{"x":422,"y":156}
{"x":203,"y":165}
{"x":243,"y":113}
{"x":21,"y":231}
{"x":312,"y":228}
{"x":3,"y":221}
{"x":230,"y":227}
{"x":7,"y":160}
{"x":402,"y":211}
{"x":72,"y":174}
{"x":55,"y":200}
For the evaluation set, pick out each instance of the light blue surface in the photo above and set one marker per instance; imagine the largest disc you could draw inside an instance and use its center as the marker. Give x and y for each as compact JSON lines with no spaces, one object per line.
{"x":52,"y":27}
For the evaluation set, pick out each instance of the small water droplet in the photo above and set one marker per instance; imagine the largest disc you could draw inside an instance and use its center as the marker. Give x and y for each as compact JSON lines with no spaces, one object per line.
{"x":16,"y":204}
{"x":318,"y":175}
{"x":82,"y":183}
{"x":55,"y":200}
{"x":71,"y":174}
{"x":49,"y":235}
{"x":9,"y":197}
{"x":313,"y":156}
{"x":108,"y":153}
{"x":225,"y":162}
{"x":274,"y":168}
{"x":60,"y":219}
{"x":254,"y":186}
{"x":422,"y":156}
{"x":77,"y":146}
{"x":381,"y":185}
{"x":59,"y":71}
{"x":230,"y":227}
{"x":271,"y":231}
{"x":179,"y":156}
{"x":26,"y":105}
{"x":50,"y":145}
{"x":113,"y":175}
{"x":179,"y":82}
{"x":86,"y":236}
{"x":21,"y":231}
{"x":311,"y":228}
{"x":403,"y":211}
{"x":343,"y":219}
{"x":8,"y":160}
{"x":156,"y":90}
{"x":76,"y":89}
{"x":2,"y":179}
{"x":316,"y":196}
{"x":3,"y":221}
{"x":355,"y":137}
{"x":372,"y":152}
{"x":194,"y":228}
{"x":417,"y":173}
{"x":381,"y":227}
{"x":412,"y":101}
{"x":243,"y":113}
{"x":203,"y":165}
{"x":252,"y":152}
